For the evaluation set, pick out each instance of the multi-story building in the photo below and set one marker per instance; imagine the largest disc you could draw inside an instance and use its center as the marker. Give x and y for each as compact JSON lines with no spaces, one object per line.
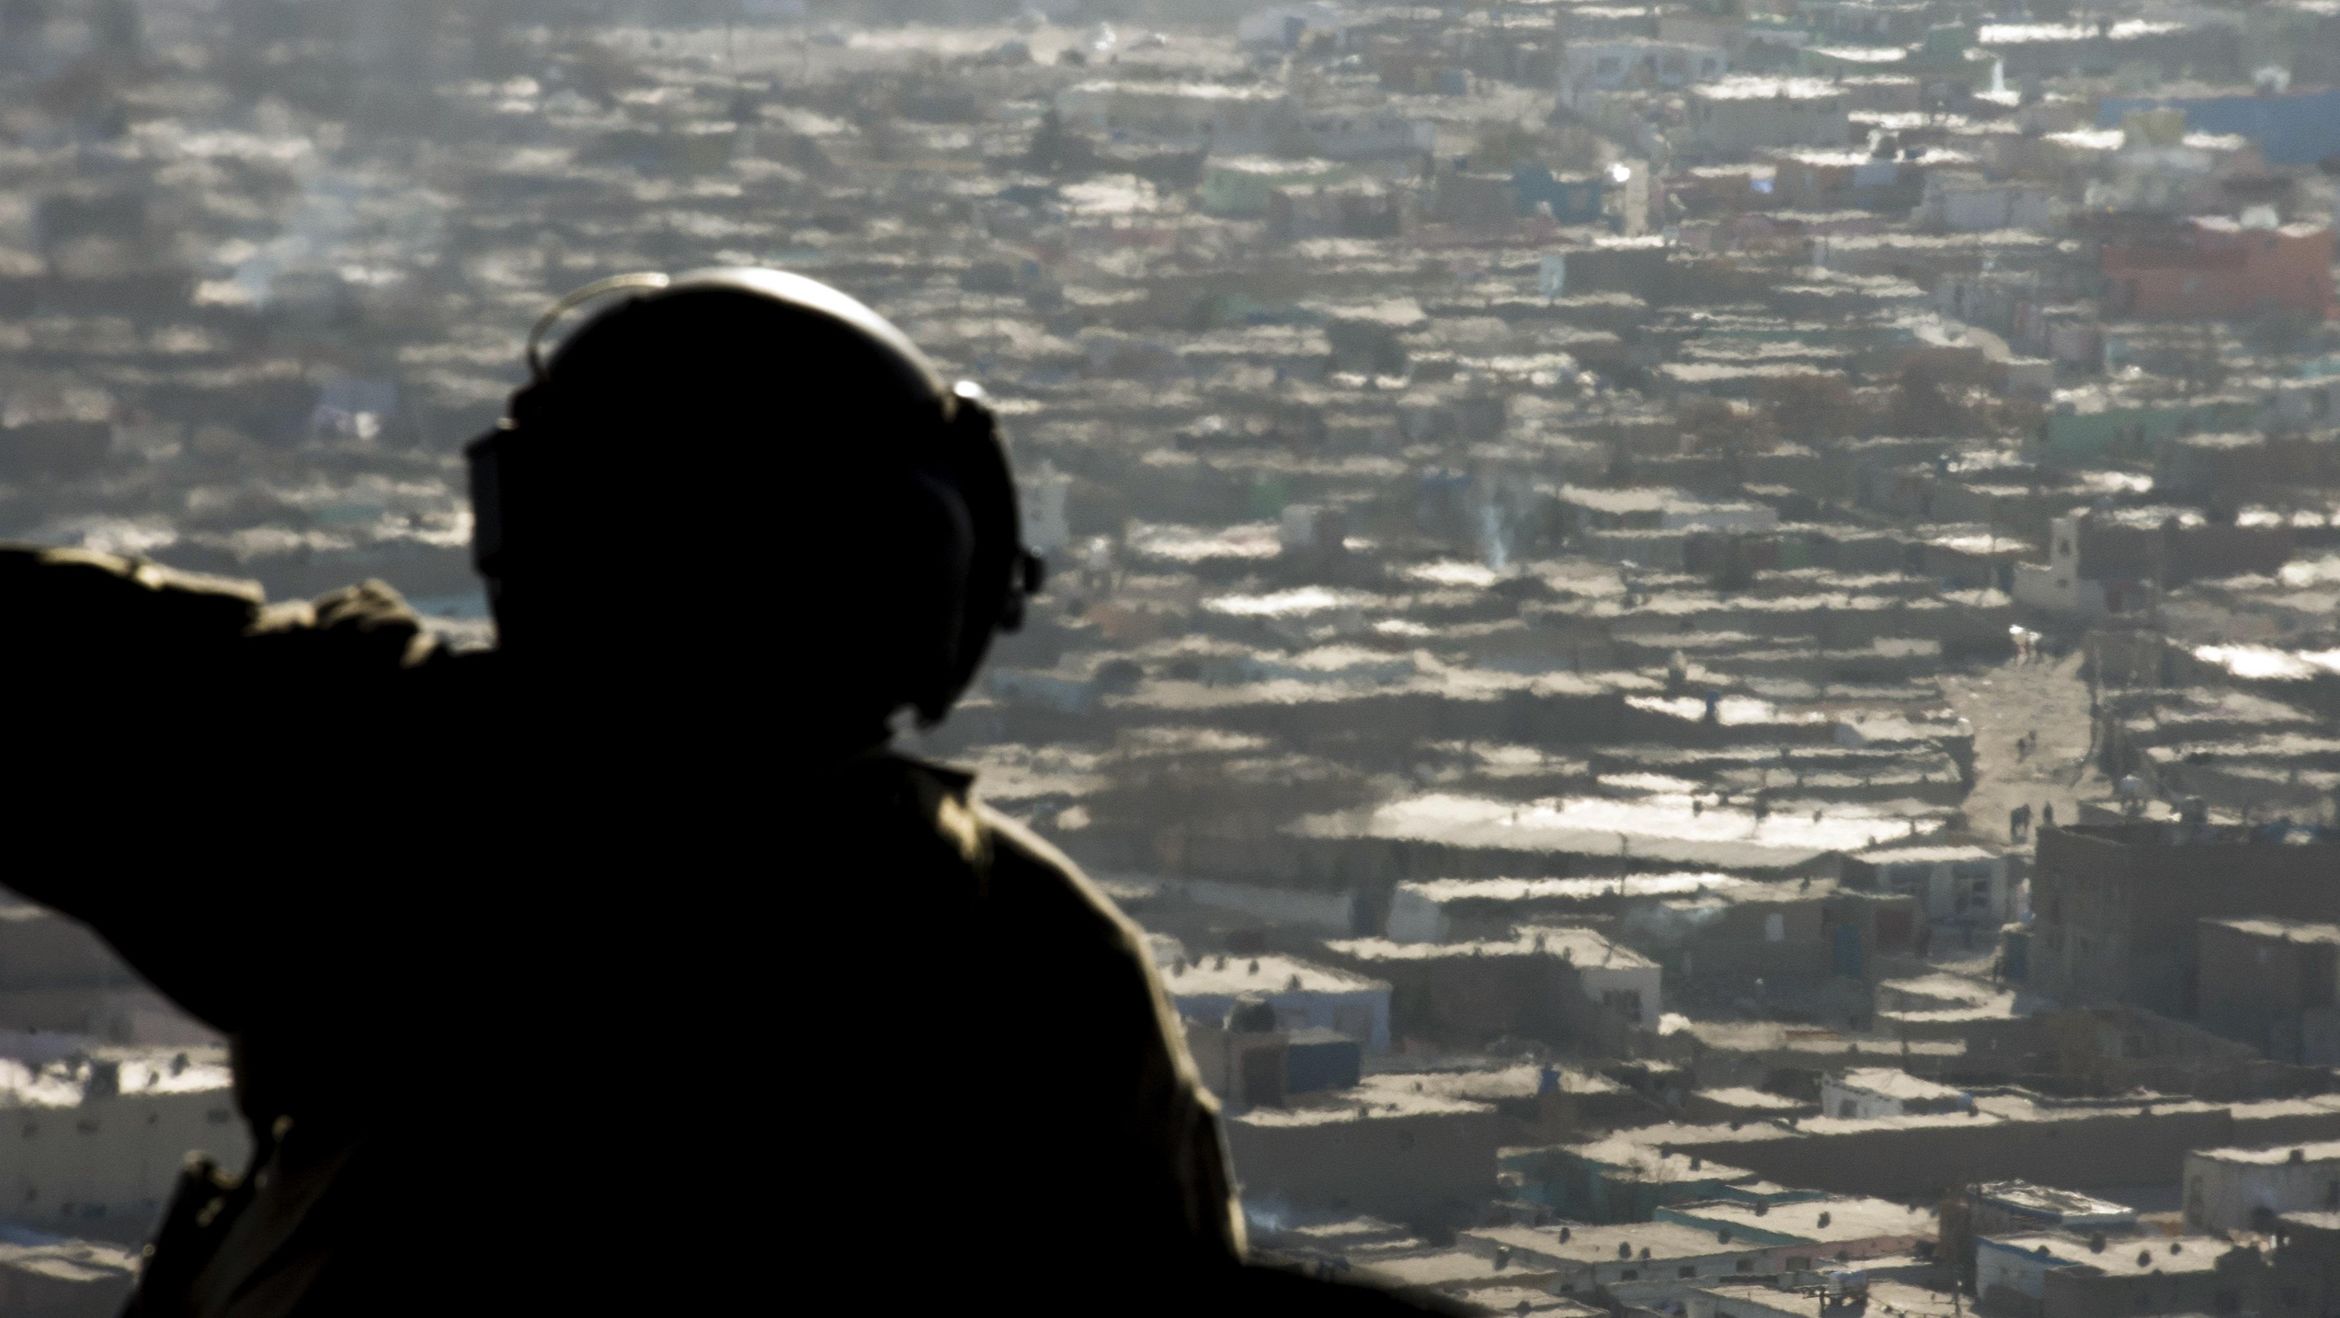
{"x":2213,"y":267}
{"x":2119,"y":906}
{"x":1733,"y":116}
{"x":2274,"y":984}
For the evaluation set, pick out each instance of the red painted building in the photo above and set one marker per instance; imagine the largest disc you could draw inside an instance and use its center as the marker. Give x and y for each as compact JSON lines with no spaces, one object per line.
{"x":2214,"y":267}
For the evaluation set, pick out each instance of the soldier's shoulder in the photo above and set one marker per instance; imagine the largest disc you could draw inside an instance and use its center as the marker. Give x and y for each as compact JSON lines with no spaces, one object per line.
{"x":932,"y":814}
{"x":106,"y":594}
{"x":1027,"y":871}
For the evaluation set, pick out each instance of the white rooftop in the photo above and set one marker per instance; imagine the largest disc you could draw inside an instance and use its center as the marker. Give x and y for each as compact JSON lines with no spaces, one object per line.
{"x":2295,"y":931}
{"x":1891,"y":1082}
{"x":1582,"y":947}
{"x":2121,"y":1258}
{"x":1576,"y":889}
{"x":2321,"y":1152}
{"x":1267,"y":975}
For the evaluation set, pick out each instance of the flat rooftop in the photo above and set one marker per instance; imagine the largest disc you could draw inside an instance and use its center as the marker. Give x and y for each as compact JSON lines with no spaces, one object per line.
{"x":1488,"y":1084}
{"x":1344,"y":1232}
{"x":2120,"y":1258}
{"x":1892,"y":1082}
{"x":1615,"y":1243}
{"x":2026,"y":1197}
{"x":1629,"y":1154}
{"x":1360,"y":1104}
{"x":1947,"y":987}
{"x":1267,"y":975}
{"x":1770,"y":1036}
{"x":2290,"y":931}
{"x":2319,"y":1152}
{"x":1927,"y":855}
{"x":1443,"y":1269}
{"x":1661,"y":829}
{"x":1847,"y":1218}
{"x":1885,"y":1297}
{"x":59,"y":1259}
{"x":1581,"y":947}
{"x":1751,"y":1099}
{"x":1498,"y":891}
{"x":141,"y":1073}
{"x":1750,"y":87}
{"x":2018,"y":34}
{"x":1517,"y":1299}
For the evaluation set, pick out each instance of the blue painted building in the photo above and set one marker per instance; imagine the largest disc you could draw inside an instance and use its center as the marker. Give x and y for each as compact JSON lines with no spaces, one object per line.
{"x":1575,"y":198}
{"x":2289,"y":128}
{"x":1614,"y":1180}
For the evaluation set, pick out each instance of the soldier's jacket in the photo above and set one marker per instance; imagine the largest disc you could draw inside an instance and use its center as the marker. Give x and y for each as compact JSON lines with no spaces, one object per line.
{"x":585,"y":990}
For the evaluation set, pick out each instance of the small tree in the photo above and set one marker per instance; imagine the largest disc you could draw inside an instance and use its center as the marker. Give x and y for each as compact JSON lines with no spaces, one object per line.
{"x":1811,"y":406}
{"x":1506,"y":146}
{"x":1053,"y":146}
{"x":1713,"y":425}
{"x":1931,"y":394}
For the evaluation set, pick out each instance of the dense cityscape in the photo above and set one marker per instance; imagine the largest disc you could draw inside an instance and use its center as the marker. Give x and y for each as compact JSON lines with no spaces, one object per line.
{"x":1705,"y":634}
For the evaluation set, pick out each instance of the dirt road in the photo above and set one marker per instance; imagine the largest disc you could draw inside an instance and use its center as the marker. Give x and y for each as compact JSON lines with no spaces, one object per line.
{"x":2008,"y":702}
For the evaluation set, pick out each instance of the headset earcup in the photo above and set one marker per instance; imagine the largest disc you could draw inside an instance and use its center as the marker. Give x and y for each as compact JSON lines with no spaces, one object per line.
{"x":998,"y":576}
{"x":502,"y":485}
{"x":484,"y":459}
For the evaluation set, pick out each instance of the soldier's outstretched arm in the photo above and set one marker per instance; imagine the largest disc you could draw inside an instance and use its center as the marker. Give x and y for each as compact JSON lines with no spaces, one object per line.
{"x":148,"y":738}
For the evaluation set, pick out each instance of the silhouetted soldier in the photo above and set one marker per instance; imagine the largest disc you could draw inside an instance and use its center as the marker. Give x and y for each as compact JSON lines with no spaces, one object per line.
{"x":625,"y":968}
